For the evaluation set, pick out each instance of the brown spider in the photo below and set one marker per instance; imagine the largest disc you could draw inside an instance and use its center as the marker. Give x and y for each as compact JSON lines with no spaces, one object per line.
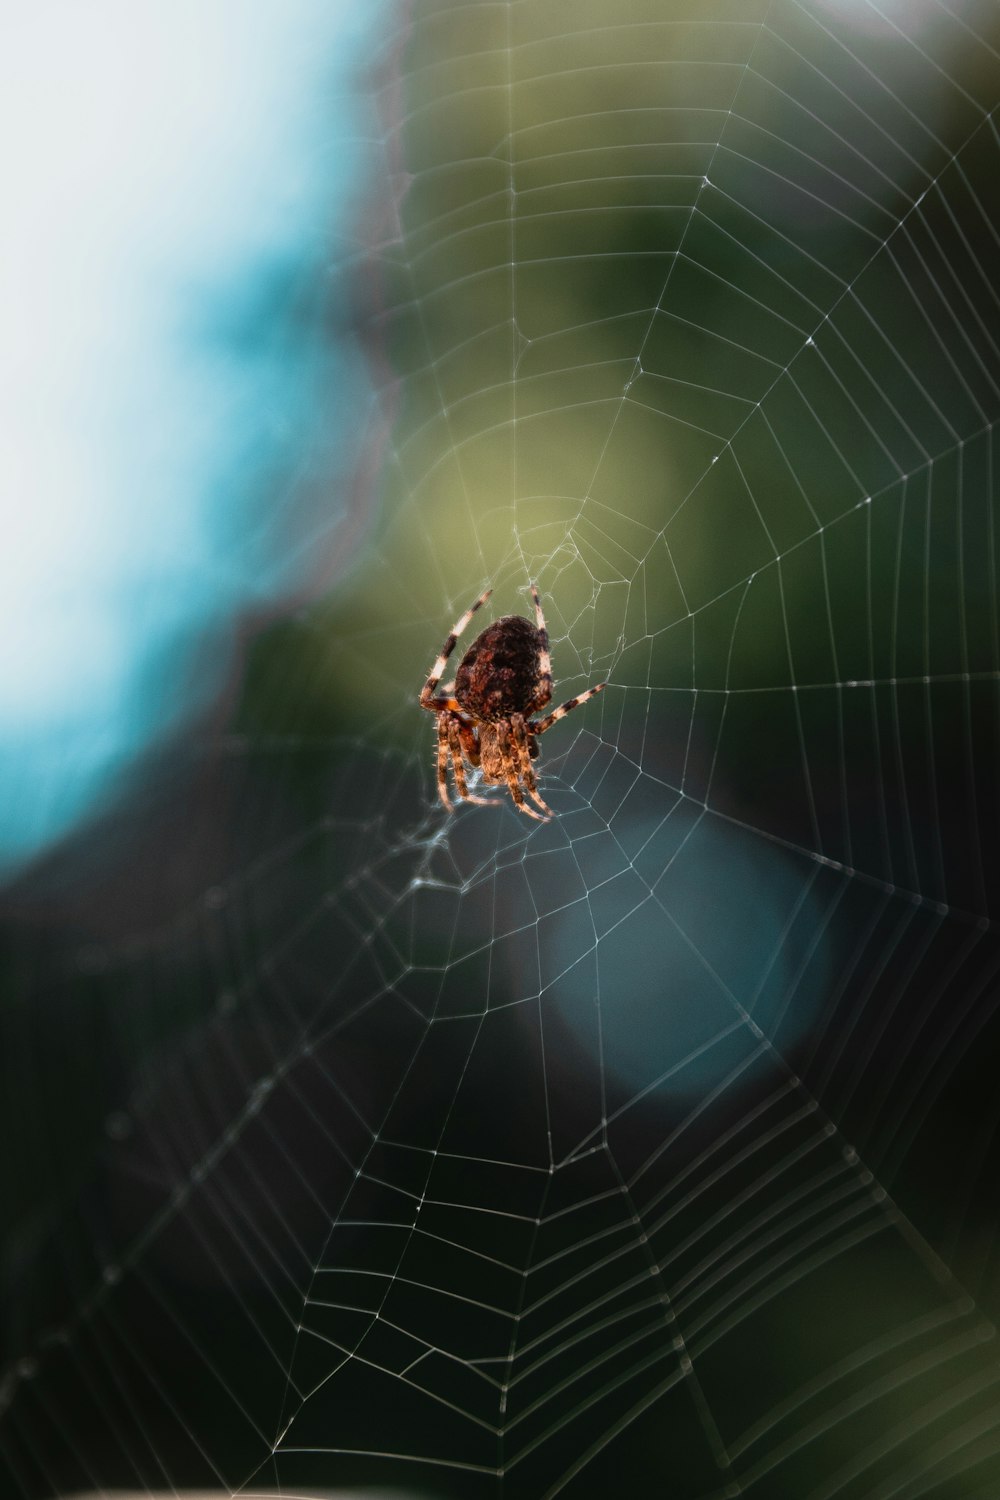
{"x":505,"y":676}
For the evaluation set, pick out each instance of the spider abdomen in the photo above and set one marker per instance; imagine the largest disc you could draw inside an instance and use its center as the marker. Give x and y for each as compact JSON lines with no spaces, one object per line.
{"x":499,"y":673}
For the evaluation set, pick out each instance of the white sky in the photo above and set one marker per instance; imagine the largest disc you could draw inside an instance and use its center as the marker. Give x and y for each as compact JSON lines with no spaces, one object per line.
{"x":161,"y":166}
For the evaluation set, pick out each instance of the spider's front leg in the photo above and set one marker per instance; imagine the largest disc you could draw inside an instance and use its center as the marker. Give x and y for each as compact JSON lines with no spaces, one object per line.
{"x":459,"y":736}
{"x":523,"y":748}
{"x":442,"y":760}
{"x":469,"y":740}
{"x":511,"y":762}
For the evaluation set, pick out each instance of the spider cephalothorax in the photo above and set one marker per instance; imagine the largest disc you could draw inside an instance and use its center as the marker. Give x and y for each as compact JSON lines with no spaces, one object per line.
{"x":503,"y":678}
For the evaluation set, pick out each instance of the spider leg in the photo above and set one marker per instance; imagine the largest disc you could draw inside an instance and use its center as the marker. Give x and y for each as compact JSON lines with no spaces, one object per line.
{"x":455,"y":741}
{"x":442,"y":762}
{"x":427,"y":698}
{"x":564,"y":708}
{"x":470,"y":742}
{"x":527,"y":775}
{"x":510,"y":771}
{"x":544,"y":693}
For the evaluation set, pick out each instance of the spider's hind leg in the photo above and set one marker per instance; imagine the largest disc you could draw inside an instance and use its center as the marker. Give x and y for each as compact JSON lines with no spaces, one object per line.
{"x":543,"y":693}
{"x":427,"y":698}
{"x":563,"y":709}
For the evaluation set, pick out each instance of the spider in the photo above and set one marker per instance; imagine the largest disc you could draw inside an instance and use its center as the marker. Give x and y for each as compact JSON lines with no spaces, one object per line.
{"x":484,"y":716}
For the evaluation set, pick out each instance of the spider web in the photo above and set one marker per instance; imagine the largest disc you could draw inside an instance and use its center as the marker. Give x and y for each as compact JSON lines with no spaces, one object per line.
{"x":655,"y":1145}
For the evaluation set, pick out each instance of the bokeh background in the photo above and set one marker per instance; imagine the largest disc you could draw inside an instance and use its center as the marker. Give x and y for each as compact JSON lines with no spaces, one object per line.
{"x":352,"y":1143}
